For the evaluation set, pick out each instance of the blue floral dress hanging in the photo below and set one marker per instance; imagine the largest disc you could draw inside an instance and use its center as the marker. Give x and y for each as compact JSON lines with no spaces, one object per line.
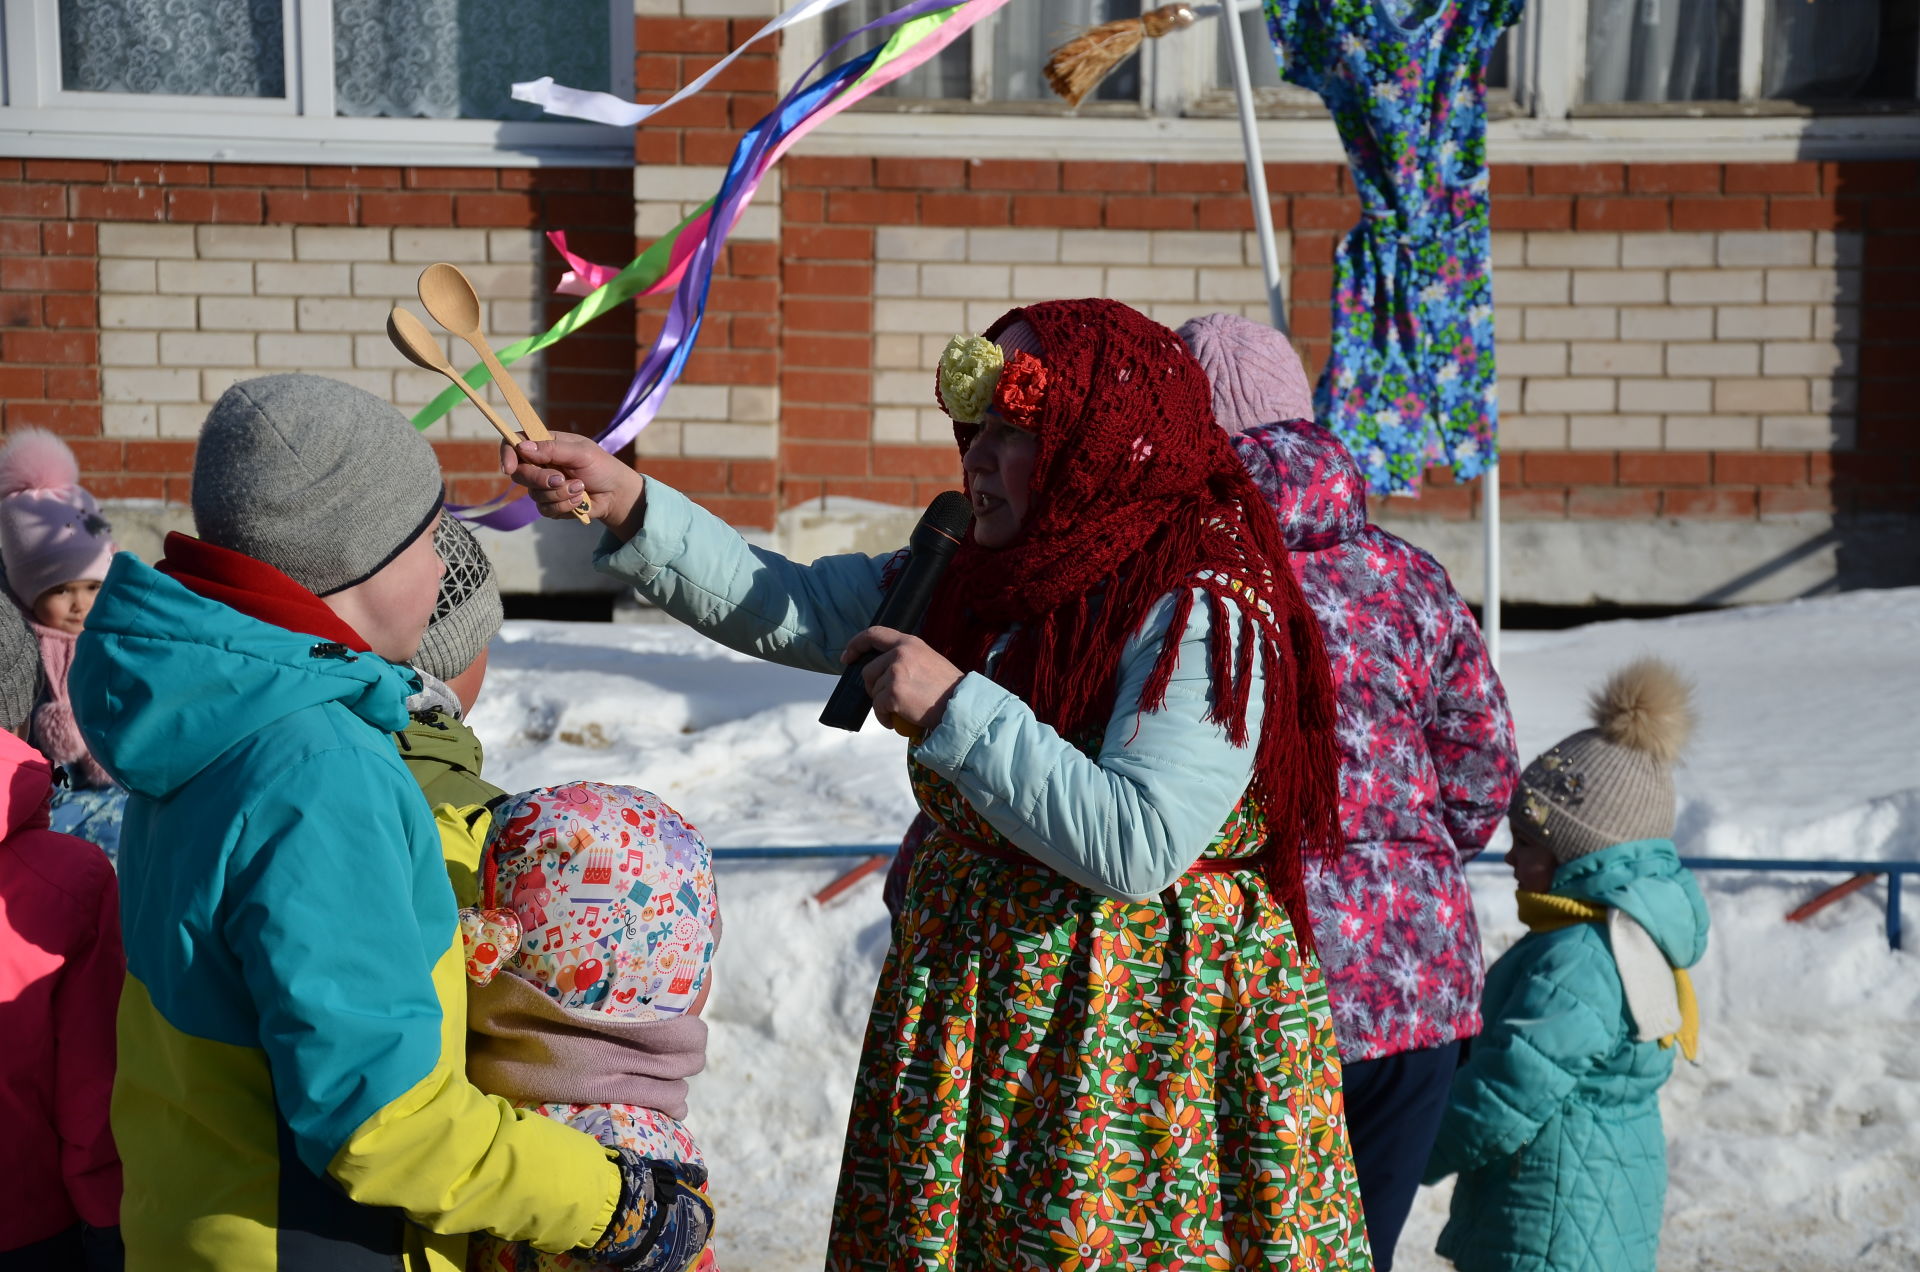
{"x":1410,"y":380}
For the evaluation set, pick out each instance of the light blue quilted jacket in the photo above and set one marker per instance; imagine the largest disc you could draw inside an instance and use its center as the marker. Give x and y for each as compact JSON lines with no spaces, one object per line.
{"x":1554,"y":1121}
{"x":1126,"y":822}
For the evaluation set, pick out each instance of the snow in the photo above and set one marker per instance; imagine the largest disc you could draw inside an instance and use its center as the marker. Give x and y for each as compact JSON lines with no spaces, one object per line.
{"x":1792,"y":1145}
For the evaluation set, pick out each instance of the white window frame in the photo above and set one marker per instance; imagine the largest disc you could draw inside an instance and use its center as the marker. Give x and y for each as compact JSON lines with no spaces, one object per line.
{"x":808,"y":41}
{"x":41,"y":119}
{"x":1543,"y":122}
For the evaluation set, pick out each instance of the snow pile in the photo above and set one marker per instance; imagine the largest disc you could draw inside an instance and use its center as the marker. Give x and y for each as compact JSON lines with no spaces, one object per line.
{"x":1792,"y":1145}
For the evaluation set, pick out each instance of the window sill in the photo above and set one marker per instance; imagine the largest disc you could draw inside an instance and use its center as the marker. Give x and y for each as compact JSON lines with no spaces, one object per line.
{"x":1747,"y":110}
{"x":283,"y":139}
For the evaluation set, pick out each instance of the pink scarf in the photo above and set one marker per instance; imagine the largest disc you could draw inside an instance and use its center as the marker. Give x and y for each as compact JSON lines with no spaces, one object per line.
{"x":54,"y":729}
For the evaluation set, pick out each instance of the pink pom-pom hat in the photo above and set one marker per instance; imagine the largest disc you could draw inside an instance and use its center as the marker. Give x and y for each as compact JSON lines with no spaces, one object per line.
{"x":51,"y":530}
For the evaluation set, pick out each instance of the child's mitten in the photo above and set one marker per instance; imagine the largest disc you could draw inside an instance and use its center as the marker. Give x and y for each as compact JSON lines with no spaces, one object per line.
{"x":662,"y":1221}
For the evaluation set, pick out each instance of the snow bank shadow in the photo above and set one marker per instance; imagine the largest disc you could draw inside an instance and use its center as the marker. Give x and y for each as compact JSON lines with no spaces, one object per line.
{"x":677,"y":691}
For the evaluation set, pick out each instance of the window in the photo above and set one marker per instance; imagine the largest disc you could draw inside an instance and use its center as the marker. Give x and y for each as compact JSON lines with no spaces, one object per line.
{"x":1835,"y":55}
{"x":1565,"y":57}
{"x":999,"y":60}
{"x":338,"y":80}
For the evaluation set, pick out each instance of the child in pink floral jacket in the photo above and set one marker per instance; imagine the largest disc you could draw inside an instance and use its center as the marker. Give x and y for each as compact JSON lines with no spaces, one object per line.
{"x":590,"y":959}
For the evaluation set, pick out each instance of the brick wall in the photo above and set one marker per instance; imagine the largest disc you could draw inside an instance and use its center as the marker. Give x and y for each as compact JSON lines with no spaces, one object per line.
{"x":131,"y":294}
{"x":1668,"y":354}
{"x":1691,"y":345}
{"x":718,"y":437}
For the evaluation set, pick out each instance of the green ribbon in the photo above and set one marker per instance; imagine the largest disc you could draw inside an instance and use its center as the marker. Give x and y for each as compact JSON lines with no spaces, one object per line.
{"x":643,"y":272}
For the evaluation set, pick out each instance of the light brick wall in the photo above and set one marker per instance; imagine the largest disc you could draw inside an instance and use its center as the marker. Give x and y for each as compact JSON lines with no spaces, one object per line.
{"x":187,"y":310}
{"x":1729,"y":341}
{"x":131,"y":294}
{"x":932,"y":283}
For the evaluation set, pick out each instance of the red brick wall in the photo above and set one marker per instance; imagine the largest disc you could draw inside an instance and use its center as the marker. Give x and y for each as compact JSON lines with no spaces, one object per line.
{"x":831,"y":206}
{"x":50,"y":211}
{"x":797,"y":314}
{"x":742,"y":342}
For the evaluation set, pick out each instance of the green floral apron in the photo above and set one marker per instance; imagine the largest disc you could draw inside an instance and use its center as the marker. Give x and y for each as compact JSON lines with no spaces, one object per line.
{"x":1053,"y":1079}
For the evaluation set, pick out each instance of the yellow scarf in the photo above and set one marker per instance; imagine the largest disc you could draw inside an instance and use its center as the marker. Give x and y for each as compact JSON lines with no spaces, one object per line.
{"x":1545,"y":912}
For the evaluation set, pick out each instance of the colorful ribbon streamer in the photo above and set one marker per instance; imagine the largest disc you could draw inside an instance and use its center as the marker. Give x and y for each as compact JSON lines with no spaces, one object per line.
{"x":684,"y":259}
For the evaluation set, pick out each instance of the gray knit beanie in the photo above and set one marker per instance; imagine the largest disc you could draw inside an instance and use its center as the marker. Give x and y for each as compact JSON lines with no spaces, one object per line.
{"x":1613,"y":783}
{"x":324,"y":482}
{"x":19,"y":667}
{"x":468,"y":614}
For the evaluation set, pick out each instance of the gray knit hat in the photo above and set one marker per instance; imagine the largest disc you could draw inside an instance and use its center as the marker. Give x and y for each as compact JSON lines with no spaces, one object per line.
{"x":320,"y":480}
{"x":468,"y":613}
{"x":19,"y":665}
{"x":1613,"y":783}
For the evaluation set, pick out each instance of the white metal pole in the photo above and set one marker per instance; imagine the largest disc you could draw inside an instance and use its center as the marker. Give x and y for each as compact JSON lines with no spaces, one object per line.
{"x":1490,"y":522}
{"x":1256,"y":166}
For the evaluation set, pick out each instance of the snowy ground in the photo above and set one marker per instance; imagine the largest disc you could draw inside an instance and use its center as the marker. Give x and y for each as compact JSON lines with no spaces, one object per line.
{"x":1795,"y":1144}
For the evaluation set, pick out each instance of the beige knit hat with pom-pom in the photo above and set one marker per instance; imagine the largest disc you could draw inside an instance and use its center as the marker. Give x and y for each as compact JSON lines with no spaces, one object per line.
{"x":1613,"y":783}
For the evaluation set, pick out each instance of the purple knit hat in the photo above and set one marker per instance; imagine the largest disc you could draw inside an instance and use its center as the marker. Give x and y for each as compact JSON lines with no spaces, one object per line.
{"x":1256,"y":376}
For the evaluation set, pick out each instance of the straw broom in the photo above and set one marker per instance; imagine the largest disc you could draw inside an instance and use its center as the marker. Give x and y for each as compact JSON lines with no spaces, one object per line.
{"x":1077,"y":67}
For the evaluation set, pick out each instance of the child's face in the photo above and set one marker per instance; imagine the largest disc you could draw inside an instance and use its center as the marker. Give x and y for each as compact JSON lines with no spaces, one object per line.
{"x":1533,"y":863}
{"x":392,"y":608}
{"x":65,"y":607}
{"x":466,"y":685}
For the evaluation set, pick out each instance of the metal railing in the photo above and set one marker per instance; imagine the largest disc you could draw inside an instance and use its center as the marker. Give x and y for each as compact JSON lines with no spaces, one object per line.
{"x":1895,"y":871}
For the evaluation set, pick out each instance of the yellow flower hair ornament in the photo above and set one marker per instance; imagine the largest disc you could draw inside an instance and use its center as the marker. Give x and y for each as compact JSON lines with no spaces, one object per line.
{"x":969,"y":373}
{"x":976,"y":376}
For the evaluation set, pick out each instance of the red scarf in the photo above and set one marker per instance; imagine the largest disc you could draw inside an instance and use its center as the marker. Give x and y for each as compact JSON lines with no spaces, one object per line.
{"x":254,"y":588}
{"x":1137,"y":493}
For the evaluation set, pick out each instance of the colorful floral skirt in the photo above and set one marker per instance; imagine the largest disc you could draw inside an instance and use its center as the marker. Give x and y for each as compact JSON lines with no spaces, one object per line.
{"x":1053,"y":1079}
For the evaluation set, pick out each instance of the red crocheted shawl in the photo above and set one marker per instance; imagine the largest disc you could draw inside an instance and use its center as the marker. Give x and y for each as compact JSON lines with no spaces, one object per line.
{"x":1136,"y":494}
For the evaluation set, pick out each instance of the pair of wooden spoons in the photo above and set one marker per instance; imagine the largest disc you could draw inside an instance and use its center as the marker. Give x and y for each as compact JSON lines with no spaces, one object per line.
{"x":450,"y":300}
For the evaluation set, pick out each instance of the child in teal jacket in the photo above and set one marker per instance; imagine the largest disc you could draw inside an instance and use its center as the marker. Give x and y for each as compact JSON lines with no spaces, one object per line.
{"x":1553,"y":1125}
{"x":291,"y":1091}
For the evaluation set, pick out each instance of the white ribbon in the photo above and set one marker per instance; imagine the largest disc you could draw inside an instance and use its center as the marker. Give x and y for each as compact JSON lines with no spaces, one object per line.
{"x":605,"y":108}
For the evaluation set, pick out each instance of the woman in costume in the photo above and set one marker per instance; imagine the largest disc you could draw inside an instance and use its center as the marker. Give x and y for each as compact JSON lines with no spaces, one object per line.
{"x":1100,"y":1039}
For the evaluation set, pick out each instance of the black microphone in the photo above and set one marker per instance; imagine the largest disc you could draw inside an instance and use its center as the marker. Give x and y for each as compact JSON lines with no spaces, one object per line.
{"x":932,"y":546}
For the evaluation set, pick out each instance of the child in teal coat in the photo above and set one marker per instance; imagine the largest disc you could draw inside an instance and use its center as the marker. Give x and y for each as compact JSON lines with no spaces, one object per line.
{"x":1553,"y":1124}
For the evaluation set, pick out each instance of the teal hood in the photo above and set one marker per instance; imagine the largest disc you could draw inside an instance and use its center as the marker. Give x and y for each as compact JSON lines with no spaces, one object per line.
{"x":165,"y":681}
{"x":1644,"y":879}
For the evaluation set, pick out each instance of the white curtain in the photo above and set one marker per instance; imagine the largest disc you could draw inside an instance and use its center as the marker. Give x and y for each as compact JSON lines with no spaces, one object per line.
{"x":1025,"y":35}
{"x":1821,"y":48}
{"x":198,"y":48}
{"x":948,"y":76}
{"x":1263,"y":60}
{"x":1663,"y":50}
{"x":458,"y":59}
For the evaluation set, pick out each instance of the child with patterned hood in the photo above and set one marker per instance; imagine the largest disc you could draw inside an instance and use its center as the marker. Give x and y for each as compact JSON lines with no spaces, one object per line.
{"x":589,"y":962}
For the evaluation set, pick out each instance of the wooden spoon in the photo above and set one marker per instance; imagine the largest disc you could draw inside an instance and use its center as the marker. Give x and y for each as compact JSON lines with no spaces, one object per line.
{"x":417,"y":345}
{"x":451,"y":301}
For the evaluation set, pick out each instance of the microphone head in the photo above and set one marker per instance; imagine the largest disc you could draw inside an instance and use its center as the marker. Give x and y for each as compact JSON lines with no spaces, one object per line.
{"x":949,"y":514}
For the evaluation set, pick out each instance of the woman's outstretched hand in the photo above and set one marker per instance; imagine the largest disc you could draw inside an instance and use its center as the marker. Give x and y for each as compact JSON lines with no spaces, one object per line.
{"x":559,"y":470}
{"x":909,"y":682}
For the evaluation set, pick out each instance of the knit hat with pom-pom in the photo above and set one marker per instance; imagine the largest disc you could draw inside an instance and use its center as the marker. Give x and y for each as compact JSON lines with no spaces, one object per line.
{"x":51,"y":530}
{"x":1613,"y":783}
